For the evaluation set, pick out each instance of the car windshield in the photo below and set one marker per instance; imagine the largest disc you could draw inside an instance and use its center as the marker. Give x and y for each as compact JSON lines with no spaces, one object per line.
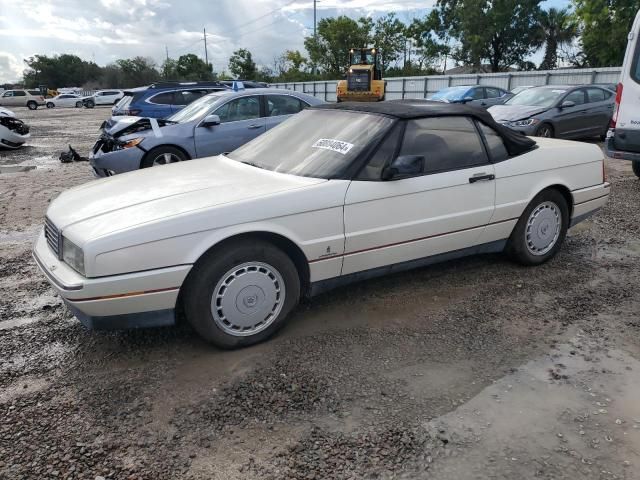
{"x":196,"y":109}
{"x":453,"y":93}
{"x":537,"y":97}
{"x":314,"y":143}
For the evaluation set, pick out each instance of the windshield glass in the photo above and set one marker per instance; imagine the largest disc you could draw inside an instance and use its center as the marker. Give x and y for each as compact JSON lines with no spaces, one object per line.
{"x":537,"y":97}
{"x":453,"y":93}
{"x":196,"y":109}
{"x":314,"y":143}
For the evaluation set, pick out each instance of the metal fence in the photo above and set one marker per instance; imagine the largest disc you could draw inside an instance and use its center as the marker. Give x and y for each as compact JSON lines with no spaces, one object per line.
{"x":421,"y":87}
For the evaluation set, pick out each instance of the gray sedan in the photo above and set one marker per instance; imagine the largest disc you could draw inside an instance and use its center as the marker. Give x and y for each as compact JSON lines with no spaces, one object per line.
{"x":216,"y":123}
{"x":558,"y":111}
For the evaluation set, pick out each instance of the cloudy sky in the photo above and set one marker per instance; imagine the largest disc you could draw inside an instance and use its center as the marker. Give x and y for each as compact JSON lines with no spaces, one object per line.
{"x":105,"y":30}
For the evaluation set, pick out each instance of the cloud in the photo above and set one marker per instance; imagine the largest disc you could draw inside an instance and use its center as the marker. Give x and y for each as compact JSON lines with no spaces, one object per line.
{"x":106,"y":30}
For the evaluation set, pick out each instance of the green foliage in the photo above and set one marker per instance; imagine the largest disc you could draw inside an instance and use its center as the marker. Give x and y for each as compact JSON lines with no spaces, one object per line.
{"x":500,"y":32}
{"x":59,"y":70}
{"x":190,"y":67}
{"x":242,"y":66}
{"x":137,"y":71}
{"x":329,"y":50}
{"x":390,"y":38}
{"x":557,"y":28}
{"x":605,"y":25}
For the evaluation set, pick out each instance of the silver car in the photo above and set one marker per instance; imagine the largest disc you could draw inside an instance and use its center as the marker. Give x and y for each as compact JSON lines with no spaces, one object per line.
{"x":216,"y":123}
{"x":560,"y":111}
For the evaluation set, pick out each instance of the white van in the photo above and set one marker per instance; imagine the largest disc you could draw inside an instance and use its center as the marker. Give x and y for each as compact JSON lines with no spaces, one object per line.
{"x":623,"y":139}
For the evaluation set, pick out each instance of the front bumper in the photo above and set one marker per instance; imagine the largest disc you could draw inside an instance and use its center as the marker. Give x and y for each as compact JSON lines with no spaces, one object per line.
{"x":588,"y":201}
{"x":118,"y":161}
{"x":140,"y":299}
{"x":529,"y":131}
{"x":350,"y":96}
{"x":12,"y":139}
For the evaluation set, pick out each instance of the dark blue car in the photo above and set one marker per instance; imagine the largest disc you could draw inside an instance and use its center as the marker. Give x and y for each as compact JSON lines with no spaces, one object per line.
{"x":160,"y":100}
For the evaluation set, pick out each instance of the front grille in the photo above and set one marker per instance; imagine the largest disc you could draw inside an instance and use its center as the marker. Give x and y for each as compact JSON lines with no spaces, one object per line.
{"x":358,"y":81}
{"x":52,"y":234}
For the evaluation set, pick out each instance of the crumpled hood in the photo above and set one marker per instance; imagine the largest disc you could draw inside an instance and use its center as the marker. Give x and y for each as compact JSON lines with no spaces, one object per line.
{"x":511,"y":113}
{"x":125,"y":125}
{"x":156,"y":193}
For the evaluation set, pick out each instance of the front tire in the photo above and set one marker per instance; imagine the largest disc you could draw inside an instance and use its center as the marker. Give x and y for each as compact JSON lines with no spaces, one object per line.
{"x":541,"y":229}
{"x":162,"y":155}
{"x":89,"y":104}
{"x":78,"y":104}
{"x":31,"y":105}
{"x":545,"y":130}
{"x":50,"y":105}
{"x":241,"y":294}
{"x":636,"y":168}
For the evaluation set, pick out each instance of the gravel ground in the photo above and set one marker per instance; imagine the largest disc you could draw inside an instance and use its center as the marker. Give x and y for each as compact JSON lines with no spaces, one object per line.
{"x":473,"y":369}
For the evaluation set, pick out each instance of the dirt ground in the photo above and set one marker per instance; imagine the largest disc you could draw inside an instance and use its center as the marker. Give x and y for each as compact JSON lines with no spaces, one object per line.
{"x":472,"y":369}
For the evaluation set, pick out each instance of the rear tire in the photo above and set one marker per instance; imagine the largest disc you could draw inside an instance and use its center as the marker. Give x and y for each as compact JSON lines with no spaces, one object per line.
{"x":541,"y":229}
{"x":545,"y":130}
{"x":241,"y":294}
{"x":162,"y":155}
{"x":78,"y":104}
{"x":31,"y":105}
{"x":636,"y":168}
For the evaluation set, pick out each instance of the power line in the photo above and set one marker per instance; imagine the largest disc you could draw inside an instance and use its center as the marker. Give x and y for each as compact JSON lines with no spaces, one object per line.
{"x":257,"y":18}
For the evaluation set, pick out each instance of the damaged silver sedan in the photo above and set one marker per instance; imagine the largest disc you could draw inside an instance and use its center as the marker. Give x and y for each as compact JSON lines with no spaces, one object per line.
{"x":13,"y":132}
{"x":216,"y":123}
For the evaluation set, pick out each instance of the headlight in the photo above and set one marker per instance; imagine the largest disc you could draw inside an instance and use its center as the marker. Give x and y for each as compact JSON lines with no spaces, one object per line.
{"x":525,"y":123}
{"x":73,"y":255}
{"x":131,"y":143}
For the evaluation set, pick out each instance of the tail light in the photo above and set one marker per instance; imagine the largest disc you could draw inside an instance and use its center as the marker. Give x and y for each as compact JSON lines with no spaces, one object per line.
{"x":133,"y":112}
{"x":616,"y":108}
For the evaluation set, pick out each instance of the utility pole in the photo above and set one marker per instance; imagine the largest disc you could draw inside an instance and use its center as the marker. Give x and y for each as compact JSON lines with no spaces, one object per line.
{"x":206,"y":55}
{"x":166,"y":49}
{"x":314,"y":18}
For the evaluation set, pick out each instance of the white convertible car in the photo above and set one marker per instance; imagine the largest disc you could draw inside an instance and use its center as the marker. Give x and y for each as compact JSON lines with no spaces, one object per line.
{"x":336,"y":193}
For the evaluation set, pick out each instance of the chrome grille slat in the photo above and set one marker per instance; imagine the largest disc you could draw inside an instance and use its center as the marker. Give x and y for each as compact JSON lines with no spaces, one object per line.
{"x":52,"y":234}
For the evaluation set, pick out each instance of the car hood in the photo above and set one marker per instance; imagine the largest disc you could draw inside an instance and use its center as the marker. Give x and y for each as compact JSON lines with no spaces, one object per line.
{"x":157,"y":193}
{"x":511,"y":113}
{"x":4,"y":112}
{"x":125,"y":125}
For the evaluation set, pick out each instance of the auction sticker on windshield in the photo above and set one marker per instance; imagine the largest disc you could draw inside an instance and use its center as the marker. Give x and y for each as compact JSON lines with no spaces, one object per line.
{"x":333,"y":145}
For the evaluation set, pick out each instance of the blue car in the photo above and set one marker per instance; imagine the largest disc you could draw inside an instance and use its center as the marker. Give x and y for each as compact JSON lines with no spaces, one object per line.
{"x":478,"y":95}
{"x":161,"y":100}
{"x":214,"y":124}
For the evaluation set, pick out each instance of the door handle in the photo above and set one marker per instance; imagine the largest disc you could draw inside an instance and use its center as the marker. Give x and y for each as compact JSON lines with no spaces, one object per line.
{"x":254,"y":126}
{"x":482,"y":176}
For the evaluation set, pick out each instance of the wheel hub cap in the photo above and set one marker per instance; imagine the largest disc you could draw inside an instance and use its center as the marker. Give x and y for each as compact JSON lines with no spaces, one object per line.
{"x":248,"y":299}
{"x":165,"y":159}
{"x":543,"y":228}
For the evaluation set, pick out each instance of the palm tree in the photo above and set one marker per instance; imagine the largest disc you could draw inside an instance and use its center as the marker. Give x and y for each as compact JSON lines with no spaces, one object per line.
{"x":558,"y":28}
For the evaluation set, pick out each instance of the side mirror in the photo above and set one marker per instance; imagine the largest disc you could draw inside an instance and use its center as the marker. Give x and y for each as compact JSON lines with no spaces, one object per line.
{"x":404,"y":166}
{"x":211,"y":120}
{"x":568,"y":104}
{"x":467,"y":99}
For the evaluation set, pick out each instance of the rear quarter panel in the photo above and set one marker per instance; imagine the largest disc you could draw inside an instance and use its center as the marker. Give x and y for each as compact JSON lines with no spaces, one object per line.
{"x":574,"y":165}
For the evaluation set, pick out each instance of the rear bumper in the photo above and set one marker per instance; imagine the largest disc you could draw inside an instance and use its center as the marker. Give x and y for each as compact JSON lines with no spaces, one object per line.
{"x":588,"y":201}
{"x":612,"y":152}
{"x":140,"y":299}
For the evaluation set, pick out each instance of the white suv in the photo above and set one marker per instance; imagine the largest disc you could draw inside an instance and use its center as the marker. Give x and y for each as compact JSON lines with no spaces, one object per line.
{"x":103,"y":97}
{"x":22,"y":98}
{"x":623,"y":139}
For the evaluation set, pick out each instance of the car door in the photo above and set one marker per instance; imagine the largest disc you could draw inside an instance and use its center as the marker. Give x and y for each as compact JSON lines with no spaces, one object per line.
{"x":600,"y":111}
{"x":7,"y":98}
{"x":159,"y":105}
{"x":280,"y":107}
{"x":443,"y":209}
{"x":240,"y":121}
{"x":571,"y":122}
{"x":477,"y":95}
{"x":494,"y":96}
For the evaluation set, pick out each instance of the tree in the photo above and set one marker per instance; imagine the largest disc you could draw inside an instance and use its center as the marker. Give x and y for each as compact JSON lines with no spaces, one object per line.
{"x":425,"y":33}
{"x":59,"y":71}
{"x":137,"y":71}
{"x":169,"y":69}
{"x":329,"y":49}
{"x":242,"y":66}
{"x":389,"y":38}
{"x":605,"y":25}
{"x":558,"y":28}
{"x":500,"y":32}
{"x":192,"y":68}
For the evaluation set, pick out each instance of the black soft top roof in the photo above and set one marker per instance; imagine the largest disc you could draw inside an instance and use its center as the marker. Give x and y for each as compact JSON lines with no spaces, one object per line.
{"x":515,"y":142}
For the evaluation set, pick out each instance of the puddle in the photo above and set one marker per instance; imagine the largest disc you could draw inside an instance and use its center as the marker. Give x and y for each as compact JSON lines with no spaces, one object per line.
{"x":45,"y":162}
